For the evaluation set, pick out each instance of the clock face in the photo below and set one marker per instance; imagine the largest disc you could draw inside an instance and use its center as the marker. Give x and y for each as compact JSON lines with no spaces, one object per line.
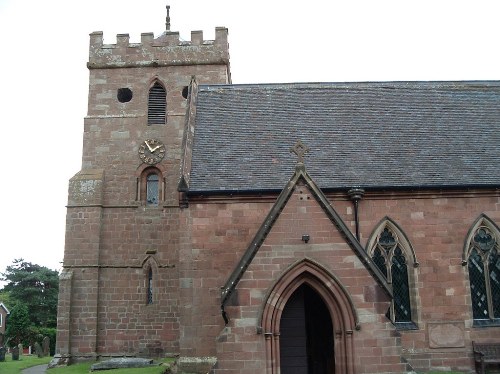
{"x":151,"y":151}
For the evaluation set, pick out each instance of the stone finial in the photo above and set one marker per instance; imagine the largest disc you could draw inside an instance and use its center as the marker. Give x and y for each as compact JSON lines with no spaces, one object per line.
{"x":300,"y":150}
{"x":167,"y":23}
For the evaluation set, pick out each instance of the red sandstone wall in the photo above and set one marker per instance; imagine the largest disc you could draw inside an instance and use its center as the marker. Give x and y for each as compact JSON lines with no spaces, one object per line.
{"x":436,"y":226}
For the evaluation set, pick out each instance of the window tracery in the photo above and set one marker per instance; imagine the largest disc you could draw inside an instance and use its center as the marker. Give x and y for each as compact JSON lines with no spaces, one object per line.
{"x":392,"y":254}
{"x":482,"y":253}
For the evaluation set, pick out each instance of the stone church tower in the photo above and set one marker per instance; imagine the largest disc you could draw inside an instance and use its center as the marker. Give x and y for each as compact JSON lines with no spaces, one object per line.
{"x":122,"y":241}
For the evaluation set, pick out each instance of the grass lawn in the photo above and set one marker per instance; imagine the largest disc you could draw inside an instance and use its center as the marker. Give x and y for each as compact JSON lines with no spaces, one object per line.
{"x":85,"y":368}
{"x":25,"y":361}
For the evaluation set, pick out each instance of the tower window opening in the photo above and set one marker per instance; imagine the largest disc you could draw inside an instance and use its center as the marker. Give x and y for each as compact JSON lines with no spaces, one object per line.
{"x":124,"y":95}
{"x":150,"y":287}
{"x":152,"y":189}
{"x":157,"y":105}
{"x":185,"y":92}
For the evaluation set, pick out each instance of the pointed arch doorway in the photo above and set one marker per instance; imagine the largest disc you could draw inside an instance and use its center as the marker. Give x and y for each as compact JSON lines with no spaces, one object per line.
{"x":306,"y":334}
{"x":308,"y":321}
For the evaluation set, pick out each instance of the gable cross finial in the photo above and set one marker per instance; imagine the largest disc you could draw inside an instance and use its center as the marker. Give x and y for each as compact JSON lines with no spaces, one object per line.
{"x":167,"y":23}
{"x":300,"y":150}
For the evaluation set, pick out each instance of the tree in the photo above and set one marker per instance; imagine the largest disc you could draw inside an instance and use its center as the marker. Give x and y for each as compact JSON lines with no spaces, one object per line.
{"x":35,"y":286}
{"x":18,"y":328}
{"x":5,"y":298}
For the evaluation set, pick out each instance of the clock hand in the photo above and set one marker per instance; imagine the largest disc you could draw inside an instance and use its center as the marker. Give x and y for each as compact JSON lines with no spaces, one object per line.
{"x":150,"y":149}
{"x":155,"y":148}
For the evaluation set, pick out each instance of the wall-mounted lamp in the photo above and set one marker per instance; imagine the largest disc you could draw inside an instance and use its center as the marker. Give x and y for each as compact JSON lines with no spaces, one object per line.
{"x":305,"y":238}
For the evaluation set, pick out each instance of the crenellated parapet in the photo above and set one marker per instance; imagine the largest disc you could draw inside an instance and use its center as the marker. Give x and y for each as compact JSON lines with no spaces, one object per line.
{"x":165,"y":50}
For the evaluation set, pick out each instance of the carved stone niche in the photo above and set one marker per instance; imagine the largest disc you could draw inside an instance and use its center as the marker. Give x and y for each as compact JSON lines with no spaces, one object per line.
{"x":446,"y":334}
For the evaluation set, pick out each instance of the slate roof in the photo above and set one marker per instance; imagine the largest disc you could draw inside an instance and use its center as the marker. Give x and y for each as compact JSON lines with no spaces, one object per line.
{"x":380,"y":135}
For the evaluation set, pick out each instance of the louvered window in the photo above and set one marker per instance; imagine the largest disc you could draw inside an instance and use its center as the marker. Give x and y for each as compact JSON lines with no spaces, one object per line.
{"x":484,"y":275}
{"x":157,"y":105}
{"x":388,"y":255}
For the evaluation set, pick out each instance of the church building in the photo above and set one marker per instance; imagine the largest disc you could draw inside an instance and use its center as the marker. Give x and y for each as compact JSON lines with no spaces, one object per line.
{"x":310,"y":228}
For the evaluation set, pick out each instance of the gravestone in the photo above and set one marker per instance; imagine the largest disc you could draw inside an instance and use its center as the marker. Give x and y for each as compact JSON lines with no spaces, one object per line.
{"x":46,"y":346}
{"x":2,"y":354}
{"x":38,"y":350}
{"x":15,"y":354}
{"x":20,"y":346}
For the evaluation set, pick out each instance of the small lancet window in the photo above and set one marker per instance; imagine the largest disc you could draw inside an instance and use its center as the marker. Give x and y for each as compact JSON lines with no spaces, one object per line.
{"x":150,"y":287}
{"x":152,"y":189}
{"x":389,"y":255}
{"x":157,"y":105}
{"x":483,"y":263}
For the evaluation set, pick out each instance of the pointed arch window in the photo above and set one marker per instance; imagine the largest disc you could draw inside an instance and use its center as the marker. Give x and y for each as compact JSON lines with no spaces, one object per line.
{"x":482,"y":254}
{"x":393,"y":255}
{"x":157,"y":105}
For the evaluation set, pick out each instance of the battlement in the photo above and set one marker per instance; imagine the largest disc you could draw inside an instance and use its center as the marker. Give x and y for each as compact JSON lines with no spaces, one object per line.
{"x":165,"y":50}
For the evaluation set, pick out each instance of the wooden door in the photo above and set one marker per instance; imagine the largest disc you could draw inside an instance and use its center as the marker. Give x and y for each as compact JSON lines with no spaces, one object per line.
{"x":306,"y":335}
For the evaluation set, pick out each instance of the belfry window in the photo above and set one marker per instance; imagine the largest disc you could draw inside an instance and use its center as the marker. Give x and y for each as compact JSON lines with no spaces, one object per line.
{"x":483,"y":262}
{"x":157,"y":105}
{"x":390,"y":254}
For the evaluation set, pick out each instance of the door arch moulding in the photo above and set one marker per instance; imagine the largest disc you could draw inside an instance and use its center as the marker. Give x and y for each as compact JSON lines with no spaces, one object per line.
{"x":334,"y":295}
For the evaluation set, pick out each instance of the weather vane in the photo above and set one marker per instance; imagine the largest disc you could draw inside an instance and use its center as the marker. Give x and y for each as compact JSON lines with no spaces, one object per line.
{"x":167,"y":23}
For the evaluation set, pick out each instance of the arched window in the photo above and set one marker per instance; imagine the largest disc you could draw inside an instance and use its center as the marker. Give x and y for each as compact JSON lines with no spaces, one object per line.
{"x":150,"y":187}
{"x":482,"y":256}
{"x":391,"y":251}
{"x":150,"y":287}
{"x":150,"y":282}
{"x":157,"y":105}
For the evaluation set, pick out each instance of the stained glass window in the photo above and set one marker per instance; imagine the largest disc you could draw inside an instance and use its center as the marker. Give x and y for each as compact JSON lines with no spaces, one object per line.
{"x":484,"y":274}
{"x":390,"y":258}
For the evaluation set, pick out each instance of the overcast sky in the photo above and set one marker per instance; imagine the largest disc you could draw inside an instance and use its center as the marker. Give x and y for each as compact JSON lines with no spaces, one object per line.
{"x":44,"y":79}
